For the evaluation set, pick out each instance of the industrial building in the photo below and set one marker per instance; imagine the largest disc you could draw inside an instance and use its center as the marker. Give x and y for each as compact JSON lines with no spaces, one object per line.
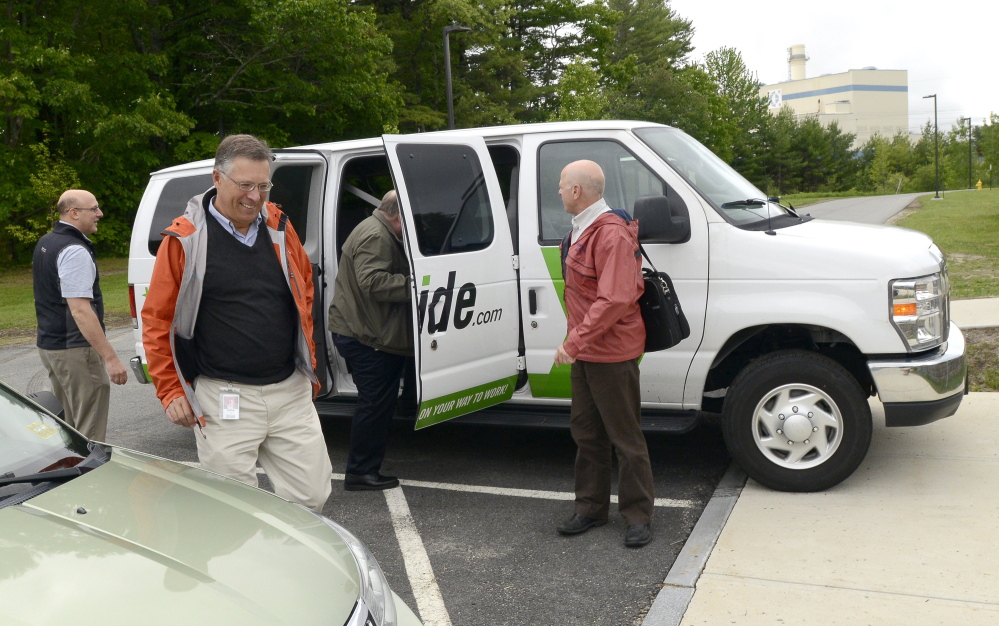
{"x":862,"y":102}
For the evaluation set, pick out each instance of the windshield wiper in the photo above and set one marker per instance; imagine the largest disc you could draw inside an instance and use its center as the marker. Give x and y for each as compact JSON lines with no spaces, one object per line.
{"x":43,"y":477}
{"x":749,"y":202}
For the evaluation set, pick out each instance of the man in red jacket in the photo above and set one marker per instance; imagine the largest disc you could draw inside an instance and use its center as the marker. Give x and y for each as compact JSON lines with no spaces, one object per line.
{"x":603,"y":282}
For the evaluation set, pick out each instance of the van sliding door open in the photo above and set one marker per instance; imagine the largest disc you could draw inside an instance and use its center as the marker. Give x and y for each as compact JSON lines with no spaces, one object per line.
{"x":465,"y":318}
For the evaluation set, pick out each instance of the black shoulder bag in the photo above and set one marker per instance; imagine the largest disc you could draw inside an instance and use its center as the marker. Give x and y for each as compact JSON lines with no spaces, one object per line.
{"x":665,"y":323}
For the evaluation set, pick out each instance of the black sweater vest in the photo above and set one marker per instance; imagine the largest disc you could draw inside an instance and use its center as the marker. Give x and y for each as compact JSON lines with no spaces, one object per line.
{"x":247,"y":320}
{"x":57,"y":330}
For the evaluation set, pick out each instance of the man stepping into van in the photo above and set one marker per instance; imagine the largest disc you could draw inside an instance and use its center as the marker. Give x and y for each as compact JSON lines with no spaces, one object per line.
{"x":227,"y":329}
{"x":371,"y":322}
{"x":603,"y":282}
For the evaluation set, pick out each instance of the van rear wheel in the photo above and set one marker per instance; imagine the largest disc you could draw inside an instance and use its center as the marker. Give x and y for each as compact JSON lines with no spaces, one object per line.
{"x":796,"y":421}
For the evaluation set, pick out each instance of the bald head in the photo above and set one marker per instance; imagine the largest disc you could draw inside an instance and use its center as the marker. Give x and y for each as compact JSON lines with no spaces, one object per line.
{"x":75,"y":198}
{"x":581,"y":184}
{"x":79,"y":208}
{"x":390,"y":204}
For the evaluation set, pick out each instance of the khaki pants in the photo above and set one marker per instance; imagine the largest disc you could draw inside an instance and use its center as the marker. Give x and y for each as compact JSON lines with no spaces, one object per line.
{"x":81,"y":384}
{"x":277,"y":426}
{"x":606,"y":416}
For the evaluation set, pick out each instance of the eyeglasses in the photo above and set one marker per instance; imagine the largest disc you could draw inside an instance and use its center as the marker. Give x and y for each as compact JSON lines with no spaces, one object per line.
{"x":95,"y":209}
{"x":248,"y":187}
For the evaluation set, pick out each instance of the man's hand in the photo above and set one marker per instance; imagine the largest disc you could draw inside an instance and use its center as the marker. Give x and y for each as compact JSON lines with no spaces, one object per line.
{"x":116,"y":371}
{"x":562,"y":357}
{"x":180,"y":412}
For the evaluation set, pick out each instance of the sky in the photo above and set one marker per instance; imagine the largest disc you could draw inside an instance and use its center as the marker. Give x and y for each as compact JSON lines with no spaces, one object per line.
{"x":948,"y":48}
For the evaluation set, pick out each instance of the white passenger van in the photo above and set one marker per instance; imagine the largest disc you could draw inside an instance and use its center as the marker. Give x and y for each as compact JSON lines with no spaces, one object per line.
{"x":794,"y":322}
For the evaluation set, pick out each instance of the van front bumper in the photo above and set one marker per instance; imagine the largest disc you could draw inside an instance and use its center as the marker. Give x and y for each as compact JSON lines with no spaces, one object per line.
{"x":921,"y":389}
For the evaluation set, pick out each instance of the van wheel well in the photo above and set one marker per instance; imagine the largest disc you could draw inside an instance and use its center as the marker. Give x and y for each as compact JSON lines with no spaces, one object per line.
{"x":750,"y":344}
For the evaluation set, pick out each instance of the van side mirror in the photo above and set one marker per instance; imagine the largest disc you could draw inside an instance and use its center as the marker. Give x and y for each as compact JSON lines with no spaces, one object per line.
{"x":656,"y":222}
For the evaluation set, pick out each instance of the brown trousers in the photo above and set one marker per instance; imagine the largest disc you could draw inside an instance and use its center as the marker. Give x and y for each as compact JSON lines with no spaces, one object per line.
{"x":81,"y":383}
{"x":606,"y":416}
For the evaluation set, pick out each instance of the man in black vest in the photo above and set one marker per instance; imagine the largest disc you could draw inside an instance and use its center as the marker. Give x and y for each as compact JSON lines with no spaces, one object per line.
{"x":80,"y":360}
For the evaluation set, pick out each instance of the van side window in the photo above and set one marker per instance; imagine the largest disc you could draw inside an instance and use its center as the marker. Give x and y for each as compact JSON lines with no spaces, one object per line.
{"x":627,"y":179}
{"x":363,"y":183}
{"x":172,"y":202}
{"x":292,"y":187}
{"x":450,"y":203}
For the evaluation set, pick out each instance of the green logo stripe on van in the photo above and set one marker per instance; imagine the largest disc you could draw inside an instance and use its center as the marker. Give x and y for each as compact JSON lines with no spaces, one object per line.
{"x":555,"y":384}
{"x":462,"y":402}
{"x":553,"y":261}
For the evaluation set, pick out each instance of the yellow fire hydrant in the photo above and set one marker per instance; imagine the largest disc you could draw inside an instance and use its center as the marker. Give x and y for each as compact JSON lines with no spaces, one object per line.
{"x":979,"y":185}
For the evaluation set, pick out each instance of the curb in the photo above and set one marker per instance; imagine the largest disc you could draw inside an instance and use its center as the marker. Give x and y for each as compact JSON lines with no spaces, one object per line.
{"x":672,"y":600}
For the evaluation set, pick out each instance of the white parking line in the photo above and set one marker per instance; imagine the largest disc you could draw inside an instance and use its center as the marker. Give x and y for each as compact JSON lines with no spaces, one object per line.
{"x":429,"y":601}
{"x":527,"y":493}
{"x":508,"y":491}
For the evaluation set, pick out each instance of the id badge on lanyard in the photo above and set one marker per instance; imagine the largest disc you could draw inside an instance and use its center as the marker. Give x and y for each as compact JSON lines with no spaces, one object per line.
{"x":229,"y":403}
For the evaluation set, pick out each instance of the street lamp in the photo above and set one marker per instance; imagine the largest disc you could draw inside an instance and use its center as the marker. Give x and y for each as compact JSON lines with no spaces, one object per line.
{"x":970,"y":185}
{"x":936,"y":139}
{"x":447,"y":70}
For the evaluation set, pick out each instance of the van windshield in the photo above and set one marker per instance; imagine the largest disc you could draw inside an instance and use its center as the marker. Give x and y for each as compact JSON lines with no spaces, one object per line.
{"x":738,"y":200}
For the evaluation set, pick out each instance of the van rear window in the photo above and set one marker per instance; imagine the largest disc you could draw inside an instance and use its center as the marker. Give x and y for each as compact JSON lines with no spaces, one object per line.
{"x":173,"y":200}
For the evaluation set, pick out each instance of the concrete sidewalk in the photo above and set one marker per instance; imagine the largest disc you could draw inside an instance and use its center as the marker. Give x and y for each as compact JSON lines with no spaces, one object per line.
{"x":975,"y":313}
{"x":911,"y":538}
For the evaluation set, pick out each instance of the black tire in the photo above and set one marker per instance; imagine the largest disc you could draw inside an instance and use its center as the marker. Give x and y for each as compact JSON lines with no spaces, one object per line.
{"x":795,"y":397}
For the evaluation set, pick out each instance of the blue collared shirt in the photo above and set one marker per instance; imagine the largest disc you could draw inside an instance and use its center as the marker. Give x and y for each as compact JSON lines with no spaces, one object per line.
{"x":251,"y":235}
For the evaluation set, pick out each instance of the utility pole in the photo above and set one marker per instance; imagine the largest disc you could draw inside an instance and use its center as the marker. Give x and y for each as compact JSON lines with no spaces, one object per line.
{"x":936,"y":140}
{"x":447,"y":70}
{"x":970,"y":181}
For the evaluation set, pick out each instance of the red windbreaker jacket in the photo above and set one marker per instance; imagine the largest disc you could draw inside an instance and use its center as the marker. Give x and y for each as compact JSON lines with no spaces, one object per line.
{"x":603,"y":282}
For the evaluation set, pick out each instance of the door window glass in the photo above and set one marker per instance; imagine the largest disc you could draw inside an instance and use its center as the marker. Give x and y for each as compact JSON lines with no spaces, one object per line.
{"x":172,"y":202}
{"x":291,"y":191}
{"x":626,"y":179}
{"x":448,"y":198}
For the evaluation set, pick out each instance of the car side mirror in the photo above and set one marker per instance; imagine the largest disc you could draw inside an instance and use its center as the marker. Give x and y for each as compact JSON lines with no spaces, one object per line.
{"x":656,"y":222}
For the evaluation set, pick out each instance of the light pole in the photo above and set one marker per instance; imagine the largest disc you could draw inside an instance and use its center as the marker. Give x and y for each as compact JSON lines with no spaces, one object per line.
{"x":970,"y":185}
{"x":447,"y":70}
{"x":936,"y":139}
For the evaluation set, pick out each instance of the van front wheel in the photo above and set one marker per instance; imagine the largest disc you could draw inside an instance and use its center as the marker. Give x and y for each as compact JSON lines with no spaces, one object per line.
{"x":796,"y":421}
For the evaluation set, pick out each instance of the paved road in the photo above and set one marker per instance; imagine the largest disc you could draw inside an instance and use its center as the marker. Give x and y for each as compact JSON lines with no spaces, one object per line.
{"x":867,"y":210}
{"x":470,"y":538}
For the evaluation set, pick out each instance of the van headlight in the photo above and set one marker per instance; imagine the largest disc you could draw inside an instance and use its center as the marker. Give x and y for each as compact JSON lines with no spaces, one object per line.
{"x":376,"y":596}
{"x":920,"y":309}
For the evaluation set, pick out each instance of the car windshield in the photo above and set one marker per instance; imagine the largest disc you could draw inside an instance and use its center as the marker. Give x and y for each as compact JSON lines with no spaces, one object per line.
{"x":32,"y":441}
{"x":737,"y":199}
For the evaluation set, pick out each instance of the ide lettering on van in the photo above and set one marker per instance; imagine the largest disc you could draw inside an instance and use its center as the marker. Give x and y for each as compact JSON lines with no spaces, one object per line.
{"x":440,"y":307}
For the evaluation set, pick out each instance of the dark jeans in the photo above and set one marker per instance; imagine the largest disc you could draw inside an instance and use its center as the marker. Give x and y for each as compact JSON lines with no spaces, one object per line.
{"x":606,"y":415}
{"x":377,"y":375}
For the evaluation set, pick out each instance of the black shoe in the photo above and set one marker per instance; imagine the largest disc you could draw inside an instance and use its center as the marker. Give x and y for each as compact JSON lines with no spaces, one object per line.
{"x":638,"y":535}
{"x":369,"y":482}
{"x":579,"y":524}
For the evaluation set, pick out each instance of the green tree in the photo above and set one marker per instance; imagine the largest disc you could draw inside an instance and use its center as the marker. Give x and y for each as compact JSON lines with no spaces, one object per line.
{"x":579,"y":94}
{"x":739,"y":133}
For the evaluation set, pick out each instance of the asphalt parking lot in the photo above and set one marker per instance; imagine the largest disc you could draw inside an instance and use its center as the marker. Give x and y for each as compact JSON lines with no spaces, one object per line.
{"x":484,"y":503}
{"x":469,"y":538}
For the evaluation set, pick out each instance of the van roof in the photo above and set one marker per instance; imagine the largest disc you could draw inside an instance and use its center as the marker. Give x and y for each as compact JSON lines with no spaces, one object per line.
{"x":487,"y":132}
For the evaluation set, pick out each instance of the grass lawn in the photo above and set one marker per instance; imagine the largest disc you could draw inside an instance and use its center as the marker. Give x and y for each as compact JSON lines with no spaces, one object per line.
{"x":966,"y":227}
{"x":17,"y":301}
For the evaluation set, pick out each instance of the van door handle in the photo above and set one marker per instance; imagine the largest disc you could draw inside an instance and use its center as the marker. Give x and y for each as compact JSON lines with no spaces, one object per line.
{"x":532,"y":300}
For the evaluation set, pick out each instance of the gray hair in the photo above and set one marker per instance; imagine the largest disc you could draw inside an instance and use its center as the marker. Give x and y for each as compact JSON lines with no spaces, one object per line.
{"x":237,"y":146}
{"x":390,"y":204}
